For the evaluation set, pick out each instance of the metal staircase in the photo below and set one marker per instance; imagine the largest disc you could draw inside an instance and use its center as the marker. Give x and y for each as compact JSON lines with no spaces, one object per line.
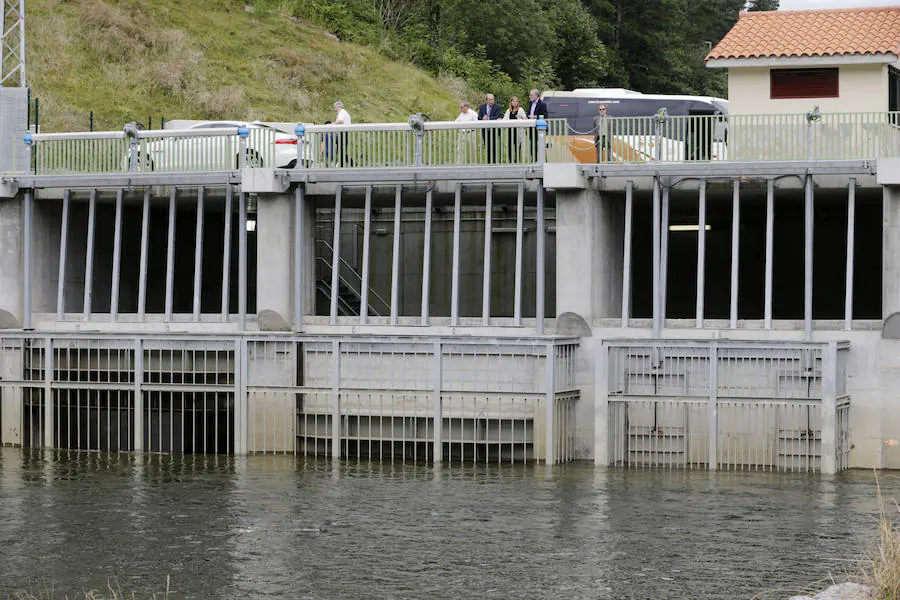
{"x":349,"y":287}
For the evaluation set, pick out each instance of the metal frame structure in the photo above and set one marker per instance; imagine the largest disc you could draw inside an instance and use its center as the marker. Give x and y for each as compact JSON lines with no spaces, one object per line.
{"x":12,"y":44}
{"x":271,"y":394}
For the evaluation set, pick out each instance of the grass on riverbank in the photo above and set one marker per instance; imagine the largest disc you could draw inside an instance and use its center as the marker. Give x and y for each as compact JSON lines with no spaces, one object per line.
{"x":112,"y":592}
{"x":881,"y":565}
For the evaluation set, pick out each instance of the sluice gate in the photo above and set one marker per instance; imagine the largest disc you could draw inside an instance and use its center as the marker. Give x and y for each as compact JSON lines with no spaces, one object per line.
{"x":405,"y":399}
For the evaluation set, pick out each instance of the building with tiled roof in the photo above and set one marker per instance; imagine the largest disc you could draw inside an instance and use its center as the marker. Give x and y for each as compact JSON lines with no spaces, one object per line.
{"x":787,"y":61}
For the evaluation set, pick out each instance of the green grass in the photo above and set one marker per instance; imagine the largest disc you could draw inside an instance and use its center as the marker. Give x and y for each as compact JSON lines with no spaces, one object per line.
{"x":210,"y":59}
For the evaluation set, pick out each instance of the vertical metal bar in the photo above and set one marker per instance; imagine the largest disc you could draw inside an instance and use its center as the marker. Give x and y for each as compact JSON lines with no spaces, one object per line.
{"x":335,"y":258}
{"x":117,"y":260}
{"x":541,"y":266}
{"x":520,"y":236}
{"x":336,"y":399}
{"x":242,"y":261}
{"x":851,"y":241}
{"x":89,"y":256}
{"x":145,"y":244}
{"x":170,"y":258}
{"x":701,"y":254}
{"x":395,"y":258}
{"x":770,"y":252}
{"x":299,"y":256}
{"x":426,"y":259}
{"x":486,"y":282}
{"x":626,"y":260}
{"x":808,"y":257}
{"x":28,"y":241}
{"x":138,"y":395}
{"x":664,"y":252}
{"x":712,"y":413}
{"x":198,"y":256}
{"x":49,"y":426}
{"x":438,"y":444}
{"x":454,"y":285}
{"x":657,"y":315}
{"x":63,"y":250}
{"x":550,"y":401}
{"x":735,"y":246}
{"x":367,"y":234}
{"x":226,"y":254}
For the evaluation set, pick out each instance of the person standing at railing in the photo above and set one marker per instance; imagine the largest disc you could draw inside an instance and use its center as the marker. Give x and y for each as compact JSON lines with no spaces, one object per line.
{"x":490,"y":112}
{"x":537,"y":108}
{"x":466,"y":141}
{"x":601,"y":134}
{"x":512,"y":142}
{"x":343,"y":118}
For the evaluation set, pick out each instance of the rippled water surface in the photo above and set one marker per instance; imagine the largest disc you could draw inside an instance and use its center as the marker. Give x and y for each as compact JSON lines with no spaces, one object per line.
{"x":264,"y":527}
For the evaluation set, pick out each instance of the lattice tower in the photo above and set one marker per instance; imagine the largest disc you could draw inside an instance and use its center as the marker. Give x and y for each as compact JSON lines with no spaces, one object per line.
{"x":12,"y":44}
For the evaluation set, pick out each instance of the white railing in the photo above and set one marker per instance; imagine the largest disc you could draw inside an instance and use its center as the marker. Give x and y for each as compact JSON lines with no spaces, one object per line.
{"x":659,"y":138}
{"x":745,"y":138}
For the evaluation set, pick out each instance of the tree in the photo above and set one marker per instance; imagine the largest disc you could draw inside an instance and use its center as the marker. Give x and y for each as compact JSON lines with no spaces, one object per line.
{"x":762,"y":5}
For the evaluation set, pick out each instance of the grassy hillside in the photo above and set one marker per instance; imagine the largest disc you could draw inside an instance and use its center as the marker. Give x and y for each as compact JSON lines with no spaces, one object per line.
{"x":216,"y":59}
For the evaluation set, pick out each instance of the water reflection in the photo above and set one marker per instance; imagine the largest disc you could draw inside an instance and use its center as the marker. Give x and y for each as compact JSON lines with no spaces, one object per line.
{"x":288,"y":527}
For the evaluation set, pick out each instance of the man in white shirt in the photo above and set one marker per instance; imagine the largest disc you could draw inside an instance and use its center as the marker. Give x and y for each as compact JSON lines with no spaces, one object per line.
{"x":465,"y":143}
{"x":466,"y":113}
{"x":343,"y":118}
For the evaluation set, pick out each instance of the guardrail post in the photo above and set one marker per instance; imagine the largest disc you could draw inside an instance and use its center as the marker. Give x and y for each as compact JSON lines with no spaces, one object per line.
{"x":29,"y":141}
{"x":138,"y":439}
{"x":438,"y":448}
{"x":243,"y":132}
{"x":811,"y":117}
{"x":300,"y":132}
{"x":601,"y":406}
{"x":131,"y":134}
{"x":828,"y":465}
{"x":49,"y":426}
{"x":336,"y":400}
{"x":550,"y":402}
{"x":712,"y":412}
{"x":541,"y":126}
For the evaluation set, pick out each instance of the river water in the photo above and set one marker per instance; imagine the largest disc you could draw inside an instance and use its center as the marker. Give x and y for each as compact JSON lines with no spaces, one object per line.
{"x":284,"y":527}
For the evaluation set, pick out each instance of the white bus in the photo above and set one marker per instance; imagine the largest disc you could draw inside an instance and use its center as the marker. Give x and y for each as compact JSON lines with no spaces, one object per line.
{"x":693,"y":127}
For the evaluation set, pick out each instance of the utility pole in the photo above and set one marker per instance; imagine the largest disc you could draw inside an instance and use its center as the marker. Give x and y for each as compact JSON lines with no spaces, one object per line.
{"x":12,"y":45}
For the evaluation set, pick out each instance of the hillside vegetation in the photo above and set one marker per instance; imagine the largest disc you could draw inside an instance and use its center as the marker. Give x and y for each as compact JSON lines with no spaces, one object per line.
{"x":218,"y":59}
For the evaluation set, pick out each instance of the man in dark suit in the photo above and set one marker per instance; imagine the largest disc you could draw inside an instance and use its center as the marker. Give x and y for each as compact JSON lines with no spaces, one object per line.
{"x":490,"y":112}
{"x":536,"y":108}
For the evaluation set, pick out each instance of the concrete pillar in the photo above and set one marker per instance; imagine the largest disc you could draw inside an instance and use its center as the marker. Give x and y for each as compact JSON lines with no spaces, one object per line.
{"x":274,"y":243}
{"x":11,"y":266}
{"x":589,"y":253}
{"x":11,"y":368}
{"x":890,"y":243}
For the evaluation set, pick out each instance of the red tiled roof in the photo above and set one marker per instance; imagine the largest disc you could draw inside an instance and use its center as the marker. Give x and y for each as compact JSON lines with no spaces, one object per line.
{"x":831,"y":32}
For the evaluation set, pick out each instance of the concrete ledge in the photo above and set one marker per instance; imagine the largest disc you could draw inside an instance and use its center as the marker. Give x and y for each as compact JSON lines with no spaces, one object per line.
{"x":261,"y":180}
{"x":888,"y":171}
{"x":565,"y":176}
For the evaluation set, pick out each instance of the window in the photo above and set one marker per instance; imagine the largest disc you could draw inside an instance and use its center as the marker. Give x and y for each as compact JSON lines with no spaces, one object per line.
{"x":893,"y":89}
{"x":803,"y":83}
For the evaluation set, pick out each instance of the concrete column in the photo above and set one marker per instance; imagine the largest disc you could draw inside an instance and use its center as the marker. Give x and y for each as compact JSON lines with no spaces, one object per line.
{"x":274,"y":241}
{"x":11,"y":266}
{"x":890,"y":264}
{"x":589,"y":256}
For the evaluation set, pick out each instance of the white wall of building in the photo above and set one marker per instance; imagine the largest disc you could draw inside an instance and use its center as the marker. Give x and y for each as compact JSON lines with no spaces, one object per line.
{"x":861,"y":88}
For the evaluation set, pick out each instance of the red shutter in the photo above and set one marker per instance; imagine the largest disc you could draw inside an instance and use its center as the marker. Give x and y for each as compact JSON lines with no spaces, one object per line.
{"x":803,"y":83}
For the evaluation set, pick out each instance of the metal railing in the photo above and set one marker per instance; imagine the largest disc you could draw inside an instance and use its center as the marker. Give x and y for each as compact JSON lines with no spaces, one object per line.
{"x":703,"y":138}
{"x":662,"y":138}
{"x":399,"y":398}
{"x":727,"y":405}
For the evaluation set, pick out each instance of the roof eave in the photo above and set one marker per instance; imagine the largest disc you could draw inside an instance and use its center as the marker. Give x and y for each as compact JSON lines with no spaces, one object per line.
{"x":802,"y":61}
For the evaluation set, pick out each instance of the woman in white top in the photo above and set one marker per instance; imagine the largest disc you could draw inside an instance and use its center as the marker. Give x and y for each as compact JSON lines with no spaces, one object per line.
{"x":513,"y":145}
{"x":343,"y":118}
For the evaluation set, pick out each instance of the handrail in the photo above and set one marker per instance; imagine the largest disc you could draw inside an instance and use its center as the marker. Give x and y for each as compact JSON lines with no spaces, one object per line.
{"x":358,"y":292}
